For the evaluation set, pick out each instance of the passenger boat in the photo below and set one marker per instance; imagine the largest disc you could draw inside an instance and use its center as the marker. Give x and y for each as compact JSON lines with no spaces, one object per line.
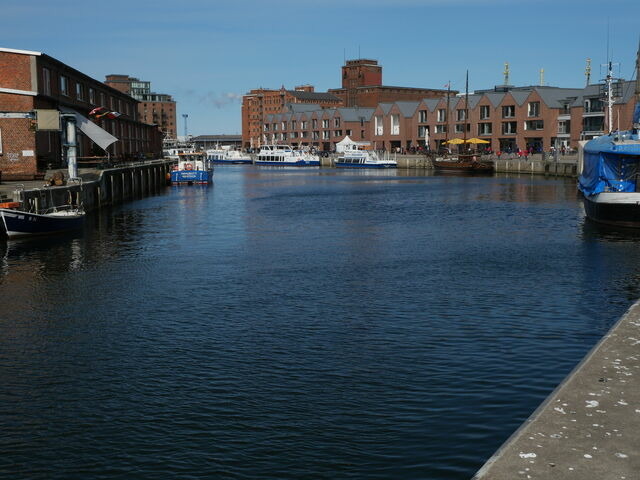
{"x":610,"y":170}
{"x":228,"y":156}
{"x":356,"y":156}
{"x":284,"y":155}
{"x":191,"y":169}
{"x":18,"y":223}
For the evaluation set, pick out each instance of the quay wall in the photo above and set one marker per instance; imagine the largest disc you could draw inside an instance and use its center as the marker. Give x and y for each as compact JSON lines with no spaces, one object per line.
{"x":589,"y":426}
{"x":537,"y":165}
{"x":99,"y":188}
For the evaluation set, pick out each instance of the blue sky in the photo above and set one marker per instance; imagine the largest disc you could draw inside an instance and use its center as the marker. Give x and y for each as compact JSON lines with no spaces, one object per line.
{"x":207,"y":54}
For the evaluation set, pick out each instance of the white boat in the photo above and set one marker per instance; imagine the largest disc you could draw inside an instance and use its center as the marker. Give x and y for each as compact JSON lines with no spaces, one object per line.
{"x":226,"y":155}
{"x":356,"y":156}
{"x":284,"y":155}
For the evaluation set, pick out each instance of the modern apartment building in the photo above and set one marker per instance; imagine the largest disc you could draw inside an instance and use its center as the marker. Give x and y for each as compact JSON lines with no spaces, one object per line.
{"x":31,"y":81}
{"x":154,"y":108}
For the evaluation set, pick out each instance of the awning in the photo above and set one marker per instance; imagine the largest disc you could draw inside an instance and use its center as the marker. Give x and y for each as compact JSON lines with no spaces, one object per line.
{"x":100,"y":137}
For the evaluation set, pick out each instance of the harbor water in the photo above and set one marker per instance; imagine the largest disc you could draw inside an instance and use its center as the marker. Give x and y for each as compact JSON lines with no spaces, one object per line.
{"x":301,"y":323}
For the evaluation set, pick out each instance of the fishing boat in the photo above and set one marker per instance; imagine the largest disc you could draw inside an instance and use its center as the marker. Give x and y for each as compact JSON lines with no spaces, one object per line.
{"x":284,"y":155}
{"x":226,"y":155}
{"x":465,"y":161}
{"x":357,"y":156}
{"x":18,"y":223}
{"x":611,"y":167}
{"x":192,"y":169}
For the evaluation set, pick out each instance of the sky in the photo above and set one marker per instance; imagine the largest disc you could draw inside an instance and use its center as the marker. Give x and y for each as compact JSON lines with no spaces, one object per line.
{"x":208,"y":53}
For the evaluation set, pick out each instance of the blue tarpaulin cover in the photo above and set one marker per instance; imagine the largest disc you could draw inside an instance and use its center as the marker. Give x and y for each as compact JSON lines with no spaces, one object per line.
{"x":609,"y":166}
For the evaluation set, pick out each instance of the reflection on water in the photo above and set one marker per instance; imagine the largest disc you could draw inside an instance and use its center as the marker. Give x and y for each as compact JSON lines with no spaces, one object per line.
{"x":301,"y":323}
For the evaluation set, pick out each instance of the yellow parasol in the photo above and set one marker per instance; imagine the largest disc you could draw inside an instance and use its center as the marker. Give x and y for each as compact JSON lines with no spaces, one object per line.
{"x":455,"y":141}
{"x":477,"y":140}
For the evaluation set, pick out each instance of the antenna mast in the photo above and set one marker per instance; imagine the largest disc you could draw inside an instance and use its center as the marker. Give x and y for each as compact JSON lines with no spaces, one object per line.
{"x":541,"y":76}
{"x":506,"y":73}
{"x":587,"y":71}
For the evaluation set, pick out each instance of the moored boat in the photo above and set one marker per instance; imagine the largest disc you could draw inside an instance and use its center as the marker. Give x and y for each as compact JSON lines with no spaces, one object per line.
{"x":228,"y":156}
{"x":191,"y":169}
{"x":284,"y":155}
{"x":610,"y":169}
{"x":18,"y":223}
{"x":462,"y":163}
{"x":356,"y":156}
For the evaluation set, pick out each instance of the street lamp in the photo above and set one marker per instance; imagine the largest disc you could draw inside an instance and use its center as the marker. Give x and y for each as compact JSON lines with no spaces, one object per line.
{"x":184,"y":115}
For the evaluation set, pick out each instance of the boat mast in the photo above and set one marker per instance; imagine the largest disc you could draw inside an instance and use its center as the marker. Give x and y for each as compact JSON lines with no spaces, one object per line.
{"x":636,"y":113}
{"x":608,"y":82}
{"x":446,"y":118}
{"x":466,"y":108}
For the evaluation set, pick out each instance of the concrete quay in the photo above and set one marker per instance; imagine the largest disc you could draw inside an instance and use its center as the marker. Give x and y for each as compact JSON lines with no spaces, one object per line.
{"x":535,"y":165}
{"x":589,"y":427}
{"x":98,"y":187}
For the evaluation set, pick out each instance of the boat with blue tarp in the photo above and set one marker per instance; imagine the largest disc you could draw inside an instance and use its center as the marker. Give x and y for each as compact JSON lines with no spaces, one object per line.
{"x":610,"y":176}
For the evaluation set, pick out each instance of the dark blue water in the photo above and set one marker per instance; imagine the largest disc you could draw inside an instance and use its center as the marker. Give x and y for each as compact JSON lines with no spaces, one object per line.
{"x":288,"y":324}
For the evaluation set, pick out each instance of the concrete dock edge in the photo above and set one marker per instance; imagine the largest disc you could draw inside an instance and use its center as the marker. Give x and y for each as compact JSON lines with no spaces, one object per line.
{"x":589,"y":426}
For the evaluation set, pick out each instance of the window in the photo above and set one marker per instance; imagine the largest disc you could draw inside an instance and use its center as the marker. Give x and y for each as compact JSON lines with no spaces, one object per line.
{"x":534,"y":109}
{"x":305,"y":125}
{"x":485,"y":129}
{"x":284,"y":126}
{"x":266,"y":127}
{"x":509,"y":128}
{"x":294,"y":124}
{"x":422,"y":116}
{"x":325,"y":123}
{"x":422,"y":130}
{"x":461,"y":114}
{"x":564,"y":126}
{"x":314,"y":123}
{"x":484,"y":112}
{"x":325,"y":135}
{"x":508,"y":111}
{"x":336,"y":122}
{"x":79,"y":91}
{"x":64,"y":85}
{"x":395,"y":124}
{"x":442,"y":115}
{"x":441,"y":129}
{"x":534,"y":125}
{"x":337,"y":133}
{"x":46,"y":81}
{"x":92,"y":96}
{"x":459,"y":127}
{"x":378,"y":124}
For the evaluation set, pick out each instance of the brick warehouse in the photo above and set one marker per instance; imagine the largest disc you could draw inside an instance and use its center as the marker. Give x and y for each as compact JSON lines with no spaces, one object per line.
{"x":361,"y":87}
{"x":33,"y":80}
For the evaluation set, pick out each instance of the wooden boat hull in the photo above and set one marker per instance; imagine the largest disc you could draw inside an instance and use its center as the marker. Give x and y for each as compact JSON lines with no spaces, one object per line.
{"x":463,"y":166}
{"x":17,"y":223}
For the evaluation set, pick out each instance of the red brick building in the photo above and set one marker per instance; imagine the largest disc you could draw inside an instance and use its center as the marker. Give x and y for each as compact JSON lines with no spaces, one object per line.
{"x":259,"y":103}
{"x":32,"y":80}
{"x":154,"y":108}
{"x":509,"y":118}
{"x":362,"y":86}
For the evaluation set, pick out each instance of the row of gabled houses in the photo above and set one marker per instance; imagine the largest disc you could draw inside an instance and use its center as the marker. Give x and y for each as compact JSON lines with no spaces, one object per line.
{"x":509,"y":118}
